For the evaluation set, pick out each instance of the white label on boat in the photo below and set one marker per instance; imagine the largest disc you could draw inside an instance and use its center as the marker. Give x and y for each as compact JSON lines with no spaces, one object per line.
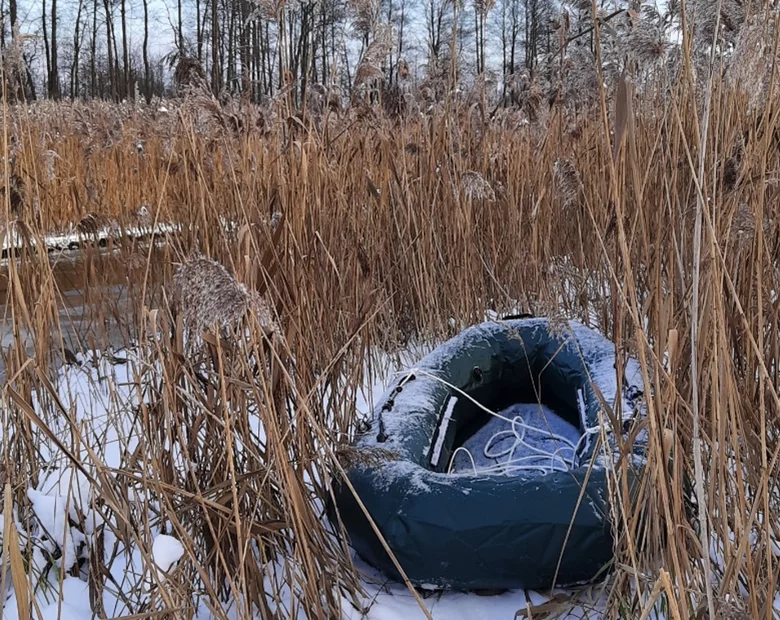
{"x":445,"y":422}
{"x":583,"y":409}
{"x":584,"y":423}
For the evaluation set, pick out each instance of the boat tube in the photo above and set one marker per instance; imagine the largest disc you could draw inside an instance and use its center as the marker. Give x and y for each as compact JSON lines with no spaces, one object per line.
{"x":536,"y":528}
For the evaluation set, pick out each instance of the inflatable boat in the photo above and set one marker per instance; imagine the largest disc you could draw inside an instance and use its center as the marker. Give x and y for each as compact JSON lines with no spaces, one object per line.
{"x":517,"y":513}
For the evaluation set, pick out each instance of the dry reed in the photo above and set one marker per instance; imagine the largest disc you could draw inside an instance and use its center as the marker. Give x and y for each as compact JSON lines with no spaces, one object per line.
{"x":377,"y":250}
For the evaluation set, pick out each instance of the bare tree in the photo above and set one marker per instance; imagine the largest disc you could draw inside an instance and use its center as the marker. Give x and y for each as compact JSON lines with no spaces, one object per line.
{"x":254,"y":47}
{"x":180,"y":24}
{"x":75,"y":82}
{"x":54,"y":73}
{"x":125,"y":88}
{"x":216,"y":77}
{"x":12,"y":14}
{"x":510,"y":38}
{"x":46,"y":45}
{"x":110,"y":47}
{"x":481,"y":10}
{"x":438,"y":22}
{"x":93,"y":51}
{"x":145,"y":52}
{"x":538,"y":33}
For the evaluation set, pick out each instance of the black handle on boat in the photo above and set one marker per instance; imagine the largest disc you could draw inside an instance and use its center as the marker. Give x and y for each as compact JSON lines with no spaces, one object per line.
{"x":382,"y":435}
{"x":522,"y":315}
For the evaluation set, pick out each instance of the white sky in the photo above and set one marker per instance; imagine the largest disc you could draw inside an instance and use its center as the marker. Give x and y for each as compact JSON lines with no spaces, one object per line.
{"x":163,"y":16}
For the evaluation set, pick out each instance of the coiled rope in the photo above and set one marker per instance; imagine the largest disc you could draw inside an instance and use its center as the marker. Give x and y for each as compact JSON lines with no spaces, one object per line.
{"x":518,"y":430}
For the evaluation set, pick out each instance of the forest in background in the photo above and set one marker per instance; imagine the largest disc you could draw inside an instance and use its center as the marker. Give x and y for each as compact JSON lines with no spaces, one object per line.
{"x":128,"y":49}
{"x":416,"y":168}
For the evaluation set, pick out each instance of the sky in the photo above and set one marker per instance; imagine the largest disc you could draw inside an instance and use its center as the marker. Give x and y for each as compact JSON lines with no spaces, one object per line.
{"x":163,"y":18}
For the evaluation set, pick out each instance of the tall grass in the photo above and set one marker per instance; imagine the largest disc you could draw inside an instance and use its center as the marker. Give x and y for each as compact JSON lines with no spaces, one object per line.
{"x":397,"y":231}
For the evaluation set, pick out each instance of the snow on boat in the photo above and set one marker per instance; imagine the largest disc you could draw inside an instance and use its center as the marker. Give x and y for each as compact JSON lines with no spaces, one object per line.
{"x":497,"y":451}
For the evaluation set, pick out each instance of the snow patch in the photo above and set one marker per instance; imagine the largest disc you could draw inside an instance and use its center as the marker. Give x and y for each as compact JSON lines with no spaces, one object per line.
{"x":166,"y":551}
{"x":52,"y":515}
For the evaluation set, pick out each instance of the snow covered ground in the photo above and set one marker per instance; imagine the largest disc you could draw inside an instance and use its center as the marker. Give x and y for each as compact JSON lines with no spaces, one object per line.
{"x":392,"y":601}
{"x":97,"y":395}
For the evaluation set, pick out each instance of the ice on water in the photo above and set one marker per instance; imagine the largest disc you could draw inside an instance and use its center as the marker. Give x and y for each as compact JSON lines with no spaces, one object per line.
{"x":533,"y":437}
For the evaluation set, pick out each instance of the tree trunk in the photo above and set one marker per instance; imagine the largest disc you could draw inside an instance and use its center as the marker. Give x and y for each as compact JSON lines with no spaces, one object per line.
{"x":12,"y":13}
{"x":117,"y":74}
{"x":390,"y":72}
{"x":204,"y":19}
{"x":324,"y":34}
{"x":2,"y":24}
{"x":503,"y":50}
{"x":231,"y":53}
{"x":75,"y":82}
{"x":109,"y":48}
{"x":198,"y":31}
{"x":125,"y":52}
{"x":268,"y":61}
{"x":215,"y":72}
{"x":30,"y":84}
{"x":477,"y":29}
{"x":307,"y":17}
{"x":401,"y":25}
{"x":46,"y":46}
{"x":54,"y":74}
{"x":18,"y":85}
{"x":180,"y":38}
{"x":93,"y":52}
{"x":244,"y":30}
{"x":145,"y":52}
{"x":515,"y":33}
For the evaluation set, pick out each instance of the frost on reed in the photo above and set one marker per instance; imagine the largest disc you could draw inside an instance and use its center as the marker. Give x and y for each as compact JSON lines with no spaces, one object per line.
{"x":349,"y":456}
{"x":647,"y":41}
{"x":743,"y":226}
{"x":208,"y":296}
{"x":321,"y":97}
{"x":753,"y":59}
{"x":142,"y":215}
{"x":14,"y":66}
{"x":369,"y":69}
{"x":705,"y":17}
{"x":580,"y":84}
{"x":733,"y":165}
{"x":189,"y":76}
{"x":94,"y":224}
{"x":366,"y":15}
{"x":49,"y":159}
{"x":567,"y":181}
{"x":732,"y":609}
{"x":14,"y":194}
{"x":476,"y":187}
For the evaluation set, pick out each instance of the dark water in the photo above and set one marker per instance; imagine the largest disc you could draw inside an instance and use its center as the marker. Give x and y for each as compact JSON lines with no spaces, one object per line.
{"x":93,"y":302}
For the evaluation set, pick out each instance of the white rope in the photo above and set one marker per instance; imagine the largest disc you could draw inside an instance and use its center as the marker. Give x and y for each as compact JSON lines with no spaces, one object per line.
{"x":518,"y":429}
{"x":513,"y":463}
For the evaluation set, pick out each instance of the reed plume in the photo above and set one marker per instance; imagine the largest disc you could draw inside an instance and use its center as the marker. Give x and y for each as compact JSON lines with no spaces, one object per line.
{"x":209,"y":296}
